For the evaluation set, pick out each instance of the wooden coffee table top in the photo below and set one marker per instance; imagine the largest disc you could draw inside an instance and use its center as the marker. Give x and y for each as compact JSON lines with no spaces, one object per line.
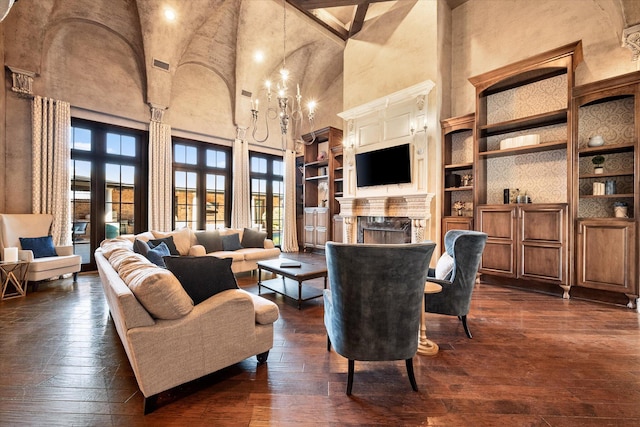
{"x":306,"y":271}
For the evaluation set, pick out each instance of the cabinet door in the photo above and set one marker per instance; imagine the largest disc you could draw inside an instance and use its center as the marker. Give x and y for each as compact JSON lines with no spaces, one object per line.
{"x":542,"y":248}
{"x":499,"y":253}
{"x":606,"y":257}
{"x":322,"y":226}
{"x":309,"y":227}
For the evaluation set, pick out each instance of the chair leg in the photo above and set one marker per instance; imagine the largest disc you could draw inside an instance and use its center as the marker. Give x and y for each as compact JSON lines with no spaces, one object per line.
{"x":464,"y":324}
{"x":328,"y":343}
{"x":350,"y":377}
{"x":75,"y":277}
{"x":412,"y":377}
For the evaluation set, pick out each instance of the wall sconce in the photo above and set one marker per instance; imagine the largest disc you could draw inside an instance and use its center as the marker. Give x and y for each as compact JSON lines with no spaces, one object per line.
{"x":349,"y":142}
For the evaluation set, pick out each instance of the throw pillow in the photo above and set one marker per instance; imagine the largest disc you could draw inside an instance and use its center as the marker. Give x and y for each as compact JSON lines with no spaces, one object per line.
{"x":444,"y":267}
{"x":231,"y":242}
{"x":181,"y":239}
{"x":141,"y":247}
{"x":168,"y":241}
{"x":203,"y":276}
{"x":155,"y":255}
{"x":253,"y":239}
{"x":40,"y":246}
{"x":211,"y":240}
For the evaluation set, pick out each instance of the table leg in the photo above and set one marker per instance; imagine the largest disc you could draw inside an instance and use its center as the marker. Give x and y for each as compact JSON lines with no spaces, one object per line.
{"x":299,"y":295}
{"x":426,"y":347}
{"x":259,"y":279}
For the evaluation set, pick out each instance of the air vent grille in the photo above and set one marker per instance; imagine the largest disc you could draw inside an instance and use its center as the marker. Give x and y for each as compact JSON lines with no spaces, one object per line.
{"x":246,"y":93}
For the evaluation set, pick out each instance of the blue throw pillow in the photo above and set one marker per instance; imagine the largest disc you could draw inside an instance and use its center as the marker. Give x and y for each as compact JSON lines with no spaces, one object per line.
{"x":40,"y":246}
{"x":231,"y":242}
{"x":155,"y":255}
{"x":169,"y":242}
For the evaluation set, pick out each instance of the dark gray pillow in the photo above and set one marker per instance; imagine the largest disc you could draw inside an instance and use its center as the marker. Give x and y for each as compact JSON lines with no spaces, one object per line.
{"x":211,"y":240}
{"x":140,"y":247}
{"x":252,"y":238}
{"x":169,"y":242}
{"x":202,"y":276}
{"x":231,"y":242}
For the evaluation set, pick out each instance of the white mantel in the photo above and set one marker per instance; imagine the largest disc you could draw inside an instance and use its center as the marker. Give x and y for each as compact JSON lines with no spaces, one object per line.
{"x":398,"y":118}
{"x":417,"y":207}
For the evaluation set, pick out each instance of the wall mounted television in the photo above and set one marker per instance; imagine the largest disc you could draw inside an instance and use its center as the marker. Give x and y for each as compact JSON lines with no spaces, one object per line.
{"x":384,"y":167}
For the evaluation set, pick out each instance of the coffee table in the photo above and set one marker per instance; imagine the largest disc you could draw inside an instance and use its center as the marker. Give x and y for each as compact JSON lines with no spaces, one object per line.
{"x":292,"y":278}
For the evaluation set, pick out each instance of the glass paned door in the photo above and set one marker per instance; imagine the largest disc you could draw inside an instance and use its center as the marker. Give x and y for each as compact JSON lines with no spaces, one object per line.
{"x":119,"y":200}
{"x":186,"y":199}
{"x":81,"y":208}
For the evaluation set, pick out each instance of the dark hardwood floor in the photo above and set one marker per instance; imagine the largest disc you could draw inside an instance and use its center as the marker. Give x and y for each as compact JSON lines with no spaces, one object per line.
{"x":534,"y":360}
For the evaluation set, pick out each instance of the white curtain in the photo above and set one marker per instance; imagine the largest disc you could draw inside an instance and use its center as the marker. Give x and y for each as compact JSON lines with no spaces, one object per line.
{"x":160,"y":176}
{"x":51,"y":185}
{"x":240,"y":209}
{"x":290,"y":233}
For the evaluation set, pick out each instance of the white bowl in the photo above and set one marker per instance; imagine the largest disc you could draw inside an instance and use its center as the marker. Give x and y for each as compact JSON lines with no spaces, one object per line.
{"x":595,"y":141}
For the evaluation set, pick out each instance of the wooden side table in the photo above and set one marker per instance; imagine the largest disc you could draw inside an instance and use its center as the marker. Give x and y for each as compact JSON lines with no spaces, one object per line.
{"x":14,"y":273}
{"x":426,"y":347}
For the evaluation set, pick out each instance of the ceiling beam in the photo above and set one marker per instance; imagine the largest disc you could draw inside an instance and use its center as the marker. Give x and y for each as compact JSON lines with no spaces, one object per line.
{"x":358,"y":19}
{"x":322,"y":4}
{"x":334,"y":28}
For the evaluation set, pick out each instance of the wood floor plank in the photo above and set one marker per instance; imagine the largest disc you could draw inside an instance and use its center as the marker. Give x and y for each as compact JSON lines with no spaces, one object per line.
{"x":534,"y":360}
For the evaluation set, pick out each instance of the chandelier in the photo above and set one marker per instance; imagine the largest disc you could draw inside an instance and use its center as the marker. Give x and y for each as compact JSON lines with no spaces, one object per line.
{"x":287,"y":108}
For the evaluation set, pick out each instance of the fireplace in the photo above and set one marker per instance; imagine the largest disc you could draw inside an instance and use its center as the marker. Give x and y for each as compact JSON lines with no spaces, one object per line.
{"x":384,"y":230}
{"x":386,"y":219}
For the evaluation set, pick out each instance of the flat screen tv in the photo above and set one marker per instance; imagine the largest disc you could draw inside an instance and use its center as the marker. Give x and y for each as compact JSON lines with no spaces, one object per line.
{"x":383,"y":167}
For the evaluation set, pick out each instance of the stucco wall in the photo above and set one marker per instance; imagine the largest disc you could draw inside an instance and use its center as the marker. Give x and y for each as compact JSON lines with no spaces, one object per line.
{"x":489,"y":34}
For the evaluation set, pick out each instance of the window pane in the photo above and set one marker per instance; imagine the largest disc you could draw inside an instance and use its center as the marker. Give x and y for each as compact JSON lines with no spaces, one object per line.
{"x":113,"y":143}
{"x":192,"y":156}
{"x":81,"y":209}
{"x":278,"y":167}
{"x":179,"y":153}
{"x":128,"y":174}
{"x":128,"y":147}
{"x":81,"y":139}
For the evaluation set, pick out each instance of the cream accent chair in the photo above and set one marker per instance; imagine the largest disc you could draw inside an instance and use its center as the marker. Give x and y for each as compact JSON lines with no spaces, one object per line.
{"x":14,"y":226}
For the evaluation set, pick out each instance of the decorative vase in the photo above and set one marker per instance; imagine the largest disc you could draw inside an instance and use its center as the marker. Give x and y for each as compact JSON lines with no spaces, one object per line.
{"x":598,"y":170}
{"x":459,"y":212}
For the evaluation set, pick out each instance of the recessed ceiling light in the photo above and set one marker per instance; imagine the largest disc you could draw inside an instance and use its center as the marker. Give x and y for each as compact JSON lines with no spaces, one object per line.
{"x":258,"y":56}
{"x":170,"y":14}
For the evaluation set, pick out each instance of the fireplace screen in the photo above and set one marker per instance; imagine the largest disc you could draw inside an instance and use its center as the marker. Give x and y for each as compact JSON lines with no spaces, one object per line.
{"x":384,"y":230}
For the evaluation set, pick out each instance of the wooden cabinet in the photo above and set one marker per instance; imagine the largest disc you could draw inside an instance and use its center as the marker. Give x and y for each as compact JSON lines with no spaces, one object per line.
{"x":523,"y":140}
{"x":457,"y":173}
{"x":606,"y":256}
{"x":606,"y":246}
{"x":316,"y":227}
{"x":526,"y":241}
{"x":322,"y":182}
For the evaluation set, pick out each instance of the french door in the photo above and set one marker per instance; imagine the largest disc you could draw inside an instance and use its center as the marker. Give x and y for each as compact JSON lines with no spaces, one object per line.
{"x":108,"y":185}
{"x":267,"y":194}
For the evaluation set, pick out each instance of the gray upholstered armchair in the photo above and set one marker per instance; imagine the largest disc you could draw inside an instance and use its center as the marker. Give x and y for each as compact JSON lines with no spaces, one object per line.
{"x":456,"y":271}
{"x":372,"y":311}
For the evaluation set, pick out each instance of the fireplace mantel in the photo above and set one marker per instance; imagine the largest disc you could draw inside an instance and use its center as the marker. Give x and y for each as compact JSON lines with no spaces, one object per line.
{"x":417,"y":207}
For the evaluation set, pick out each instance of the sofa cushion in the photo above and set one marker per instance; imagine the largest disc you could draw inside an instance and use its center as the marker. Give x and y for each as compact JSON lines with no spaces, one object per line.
{"x":211,"y":240}
{"x":231,"y":242}
{"x":40,"y":246}
{"x":202,"y":277}
{"x":255,"y":254}
{"x":236,"y":256}
{"x":253,"y":239}
{"x":52,"y":263}
{"x":181,"y":238}
{"x":157,"y":289}
{"x":167,"y":241}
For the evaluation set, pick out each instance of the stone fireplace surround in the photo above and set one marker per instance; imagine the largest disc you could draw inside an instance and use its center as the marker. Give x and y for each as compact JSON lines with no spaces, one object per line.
{"x":415,"y":207}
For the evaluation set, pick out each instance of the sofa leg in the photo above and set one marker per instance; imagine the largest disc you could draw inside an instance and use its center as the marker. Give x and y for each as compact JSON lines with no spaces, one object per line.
{"x":150,"y":404}
{"x":262,"y":357}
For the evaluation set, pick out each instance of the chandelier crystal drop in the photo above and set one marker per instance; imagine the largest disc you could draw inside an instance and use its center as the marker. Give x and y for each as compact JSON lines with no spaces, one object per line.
{"x":288,"y":108}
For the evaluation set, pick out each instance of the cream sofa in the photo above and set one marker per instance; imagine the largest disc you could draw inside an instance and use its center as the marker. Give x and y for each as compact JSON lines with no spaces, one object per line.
{"x":186,"y":242}
{"x":14,"y":226}
{"x":168,"y":340}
